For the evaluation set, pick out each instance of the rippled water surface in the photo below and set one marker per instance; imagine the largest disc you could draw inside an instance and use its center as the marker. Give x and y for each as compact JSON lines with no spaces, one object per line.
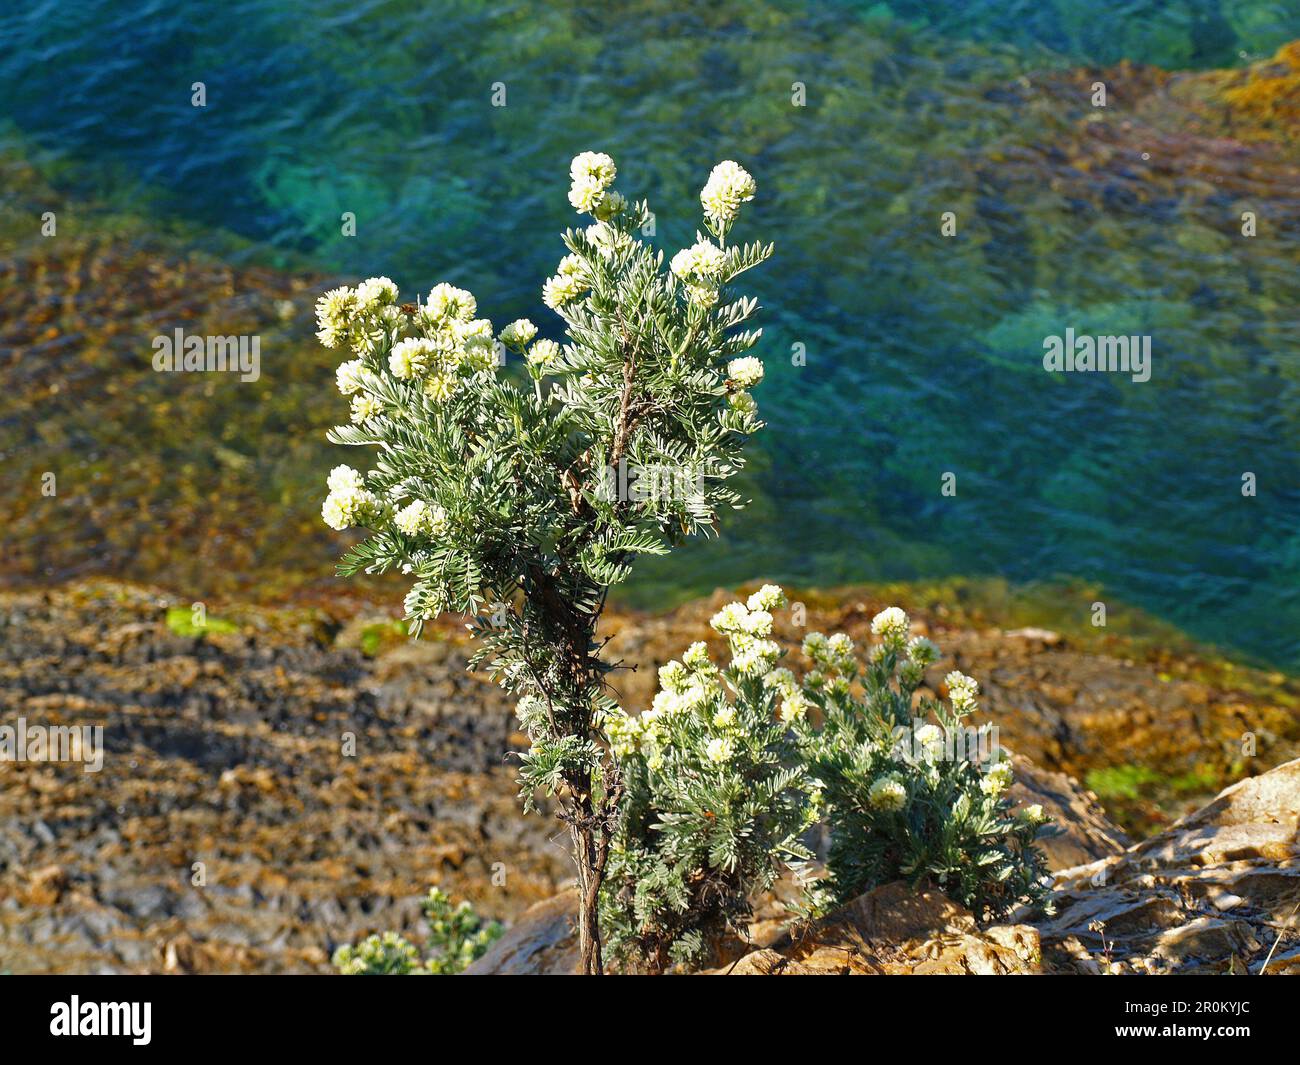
{"x":923,"y":352}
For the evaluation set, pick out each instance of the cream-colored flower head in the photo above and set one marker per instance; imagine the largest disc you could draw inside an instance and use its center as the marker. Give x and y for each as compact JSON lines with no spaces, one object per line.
{"x":586,"y":194}
{"x":418,"y":518}
{"x":348,"y":503}
{"x":349,"y":377}
{"x":697,"y":655}
{"x":743,"y":402}
{"x":592,"y":174}
{"x":572,"y":265}
{"x":746,"y":372}
{"x":334,"y":310}
{"x":703,"y":261}
{"x":769,"y":597}
{"x":673,"y":676}
{"x":344,"y":479}
{"x":794,"y":707}
{"x":729,"y":185}
{"x":891,"y":626}
{"x":887,"y":793}
{"x":543,"y":353}
{"x":997,"y":778}
{"x":731,"y":618}
{"x":411,"y":357}
{"x":364,"y":407}
{"x":449,"y":303}
{"x":561,"y":289}
{"x":961,"y":691}
{"x":922,"y":651}
{"x":518,"y":333}
{"x":720,"y":749}
{"x":376,"y":292}
{"x":595,"y":165}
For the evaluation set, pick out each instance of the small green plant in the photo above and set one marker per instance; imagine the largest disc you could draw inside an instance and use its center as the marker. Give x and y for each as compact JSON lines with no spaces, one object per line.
{"x":716,"y":800}
{"x":185,"y":621}
{"x":1114,"y":783}
{"x":378,"y":635}
{"x":457,"y":937}
{"x":912,"y":792}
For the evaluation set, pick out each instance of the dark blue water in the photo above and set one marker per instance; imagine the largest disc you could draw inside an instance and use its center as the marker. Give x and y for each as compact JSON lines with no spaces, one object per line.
{"x":923,"y":352}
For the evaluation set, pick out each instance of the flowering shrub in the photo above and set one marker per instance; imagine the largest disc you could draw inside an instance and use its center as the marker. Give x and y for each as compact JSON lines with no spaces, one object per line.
{"x":491,"y":488}
{"x":457,"y":937}
{"x":911,"y":791}
{"x":716,"y":798}
{"x":729,"y":767}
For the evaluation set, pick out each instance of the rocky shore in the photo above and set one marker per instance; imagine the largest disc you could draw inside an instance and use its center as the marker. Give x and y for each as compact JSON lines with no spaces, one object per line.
{"x":279,"y":781}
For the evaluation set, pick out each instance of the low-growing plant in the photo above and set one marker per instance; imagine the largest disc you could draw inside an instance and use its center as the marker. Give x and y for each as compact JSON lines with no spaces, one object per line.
{"x":729,"y":767}
{"x":911,"y":791}
{"x":716,"y":801}
{"x":522,"y":496}
{"x":458,"y":936}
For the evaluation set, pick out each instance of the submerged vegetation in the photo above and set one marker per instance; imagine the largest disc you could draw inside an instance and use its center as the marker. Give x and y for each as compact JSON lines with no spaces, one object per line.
{"x":205,"y":490}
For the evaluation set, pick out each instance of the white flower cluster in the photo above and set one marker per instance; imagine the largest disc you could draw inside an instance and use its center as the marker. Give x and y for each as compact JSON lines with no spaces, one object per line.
{"x":368,"y":320}
{"x":455,"y":342}
{"x":700,"y":268}
{"x":609,"y":240}
{"x":769,"y":597}
{"x":357,"y":317}
{"x":570,"y":279}
{"x":833,"y":659}
{"x":930,"y":742}
{"x":349,"y":501}
{"x":729,"y":185}
{"x":745,"y":372}
{"x":420,"y":519}
{"x":690,"y":686}
{"x":922,"y":651}
{"x":592,"y":174}
{"x":720,"y":749}
{"x":693,"y":685}
{"x":543,"y":354}
{"x":892,"y":626}
{"x":518,"y":334}
{"x":747,"y":630}
{"x":887,"y":793}
{"x":961,"y":692}
{"x":998,"y":775}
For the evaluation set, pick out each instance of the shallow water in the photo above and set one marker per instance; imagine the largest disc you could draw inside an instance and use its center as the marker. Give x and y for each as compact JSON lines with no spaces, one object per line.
{"x":923,"y":351}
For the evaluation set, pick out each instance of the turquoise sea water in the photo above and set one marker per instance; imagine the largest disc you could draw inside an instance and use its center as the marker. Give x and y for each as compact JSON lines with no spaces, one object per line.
{"x":923,"y":352}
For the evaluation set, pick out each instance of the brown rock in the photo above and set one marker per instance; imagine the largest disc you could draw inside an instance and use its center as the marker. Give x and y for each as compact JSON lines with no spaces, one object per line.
{"x":47,"y":886}
{"x":1082,"y":832}
{"x":897,"y":930}
{"x":1210,"y":894}
{"x":543,"y":941}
